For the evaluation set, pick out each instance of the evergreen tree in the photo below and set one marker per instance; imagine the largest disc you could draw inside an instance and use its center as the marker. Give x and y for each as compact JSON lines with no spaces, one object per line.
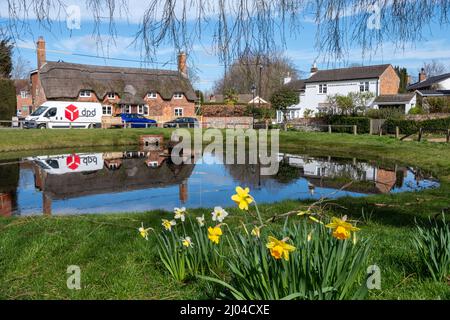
{"x":6,"y":64}
{"x":403,"y":75}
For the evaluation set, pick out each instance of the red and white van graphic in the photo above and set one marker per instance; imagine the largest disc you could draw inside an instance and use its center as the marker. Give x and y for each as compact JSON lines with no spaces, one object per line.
{"x":72,"y":113}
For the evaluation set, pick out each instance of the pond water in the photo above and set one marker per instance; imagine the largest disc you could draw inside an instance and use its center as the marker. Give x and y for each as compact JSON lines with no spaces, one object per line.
{"x":116,"y":182}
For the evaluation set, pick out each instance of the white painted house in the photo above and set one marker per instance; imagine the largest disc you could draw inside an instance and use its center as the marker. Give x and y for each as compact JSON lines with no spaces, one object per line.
{"x":314,"y":91}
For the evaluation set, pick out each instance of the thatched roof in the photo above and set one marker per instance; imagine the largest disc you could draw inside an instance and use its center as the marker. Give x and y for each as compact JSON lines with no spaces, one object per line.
{"x":62,"y":80}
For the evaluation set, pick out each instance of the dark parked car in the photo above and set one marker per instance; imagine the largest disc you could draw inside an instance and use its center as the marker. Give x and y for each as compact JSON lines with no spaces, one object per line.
{"x":137,"y":121}
{"x":183,"y":123}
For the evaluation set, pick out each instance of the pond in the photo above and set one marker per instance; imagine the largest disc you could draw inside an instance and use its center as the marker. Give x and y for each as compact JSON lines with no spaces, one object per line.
{"x":121,"y":181}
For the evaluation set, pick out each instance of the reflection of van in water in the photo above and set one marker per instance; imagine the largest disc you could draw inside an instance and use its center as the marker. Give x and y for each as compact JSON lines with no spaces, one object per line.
{"x":65,"y":115}
{"x":74,"y":163}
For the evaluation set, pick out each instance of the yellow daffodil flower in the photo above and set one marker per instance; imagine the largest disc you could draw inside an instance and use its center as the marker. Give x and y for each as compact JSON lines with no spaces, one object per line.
{"x":187,"y":242}
{"x":201,"y":221}
{"x":168,"y":224}
{"x":214,"y":234}
{"x":180,"y":214}
{"x":309,"y":238}
{"x":144,"y":232}
{"x":279,"y":249}
{"x":256,"y":232}
{"x":242,"y":198}
{"x":219,"y":214}
{"x":342,"y":229}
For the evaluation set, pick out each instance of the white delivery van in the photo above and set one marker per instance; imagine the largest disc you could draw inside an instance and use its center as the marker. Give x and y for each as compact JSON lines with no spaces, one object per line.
{"x":70,"y":163}
{"x":65,"y":115}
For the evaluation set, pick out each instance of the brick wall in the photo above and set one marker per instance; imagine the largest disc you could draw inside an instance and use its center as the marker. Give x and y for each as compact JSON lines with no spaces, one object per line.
{"x":389,"y":82}
{"x":24,"y":105}
{"x":227,"y":122}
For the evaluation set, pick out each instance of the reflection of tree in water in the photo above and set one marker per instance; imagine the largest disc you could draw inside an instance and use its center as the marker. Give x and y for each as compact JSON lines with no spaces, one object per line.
{"x":287,"y":173}
{"x":9,"y":182}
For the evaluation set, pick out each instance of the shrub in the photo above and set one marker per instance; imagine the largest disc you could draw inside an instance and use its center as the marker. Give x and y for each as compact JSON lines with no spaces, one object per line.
{"x":432,"y":244}
{"x":363,"y":123}
{"x":385,"y":113}
{"x":437,"y":104}
{"x":8,"y":101}
{"x":411,"y":126}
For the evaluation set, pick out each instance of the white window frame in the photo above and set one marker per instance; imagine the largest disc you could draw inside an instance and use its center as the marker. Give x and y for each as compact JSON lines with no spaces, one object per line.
{"x":143,"y":109}
{"x":178,"y":96}
{"x":126,"y":108}
{"x":108,"y":110}
{"x":323,"y":88}
{"x":364,"y":86}
{"x":84,"y":94}
{"x":152,"y":95}
{"x":177,"y":112}
{"x":111,"y":95}
{"x":24,"y":94}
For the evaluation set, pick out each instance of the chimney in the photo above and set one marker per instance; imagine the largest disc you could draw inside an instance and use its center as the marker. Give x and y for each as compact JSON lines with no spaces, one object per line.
{"x":422,"y":75}
{"x":41,"y":54}
{"x":288,"y":79}
{"x":182,"y":64}
{"x":314,"y":69}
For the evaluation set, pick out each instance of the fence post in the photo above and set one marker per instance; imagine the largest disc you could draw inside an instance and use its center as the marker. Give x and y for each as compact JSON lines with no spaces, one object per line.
{"x":420,"y":134}
{"x":448,"y":135}
{"x":371,"y":127}
{"x":380,"y":131}
{"x":397,"y":132}
{"x":330,"y":130}
{"x":355,"y":130}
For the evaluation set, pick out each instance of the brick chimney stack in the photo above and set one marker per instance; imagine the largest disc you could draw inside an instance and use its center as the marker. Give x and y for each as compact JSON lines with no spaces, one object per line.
{"x":422,"y":75}
{"x":182,"y":64}
{"x":41,"y":53}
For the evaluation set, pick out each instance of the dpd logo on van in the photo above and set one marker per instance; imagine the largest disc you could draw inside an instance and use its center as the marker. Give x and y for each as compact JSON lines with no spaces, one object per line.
{"x":72,"y":113}
{"x":73,"y":162}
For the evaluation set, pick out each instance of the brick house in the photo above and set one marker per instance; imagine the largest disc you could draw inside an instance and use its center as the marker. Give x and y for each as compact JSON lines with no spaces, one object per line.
{"x":23,"y":97}
{"x":313,"y":92}
{"x":161,"y":95}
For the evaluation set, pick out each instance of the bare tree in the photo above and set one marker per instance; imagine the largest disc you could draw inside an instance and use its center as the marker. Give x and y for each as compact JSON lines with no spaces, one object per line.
{"x":248,"y":25}
{"x":21,"y":68}
{"x":253,"y":71}
{"x":434,"y":68}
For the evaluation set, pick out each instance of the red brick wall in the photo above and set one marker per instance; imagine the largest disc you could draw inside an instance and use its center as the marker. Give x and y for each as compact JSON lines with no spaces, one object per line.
{"x":389,"y":82}
{"x":24,"y":102}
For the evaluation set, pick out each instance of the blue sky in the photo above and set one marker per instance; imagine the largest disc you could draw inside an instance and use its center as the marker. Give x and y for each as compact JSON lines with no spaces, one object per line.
{"x":61,"y":43}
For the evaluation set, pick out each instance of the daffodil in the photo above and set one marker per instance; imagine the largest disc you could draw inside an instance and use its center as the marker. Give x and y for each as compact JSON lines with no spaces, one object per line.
{"x":242,"y":198}
{"x":309,"y":238}
{"x":187,"y":242}
{"x":201,"y":221}
{"x":314,"y":219}
{"x":180,"y":214}
{"x":219,"y":214}
{"x":256,"y":232}
{"x":342,"y":229}
{"x":168,"y":224}
{"x":144,"y":232}
{"x":279,"y":249}
{"x":214,"y":234}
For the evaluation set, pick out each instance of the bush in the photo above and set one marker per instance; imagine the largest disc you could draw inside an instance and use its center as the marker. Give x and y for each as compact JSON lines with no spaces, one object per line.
{"x":411,"y":126}
{"x":433,"y":247}
{"x":8,"y":102}
{"x":385,"y":113}
{"x":363,"y":123}
{"x":437,"y":104}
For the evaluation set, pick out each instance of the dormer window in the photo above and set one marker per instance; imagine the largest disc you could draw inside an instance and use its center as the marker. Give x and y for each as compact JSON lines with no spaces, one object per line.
{"x":111,"y":95}
{"x":323,"y":88}
{"x":178,"y":96}
{"x":85,"y":94}
{"x":152,"y":95}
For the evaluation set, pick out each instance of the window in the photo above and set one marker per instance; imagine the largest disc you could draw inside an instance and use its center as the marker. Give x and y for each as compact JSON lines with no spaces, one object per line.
{"x":85,"y":94}
{"x":111,"y":95}
{"x":51,"y":113}
{"x":24,"y":94}
{"x":364,"y":86}
{"x":107,"y":110}
{"x":152,"y":95}
{"x":323,"y":88}
{"x":178,"y":112}
{"x":143,"y":109}
{"x":126,"y":109}
{"x":178,"y":95}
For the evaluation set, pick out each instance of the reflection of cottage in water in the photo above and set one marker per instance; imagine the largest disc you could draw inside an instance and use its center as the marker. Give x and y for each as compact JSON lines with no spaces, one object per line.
{"x":117,"y":172}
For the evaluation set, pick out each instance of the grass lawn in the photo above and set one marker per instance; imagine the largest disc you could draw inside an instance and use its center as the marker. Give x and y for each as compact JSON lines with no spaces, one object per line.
{"x":117,"y":263}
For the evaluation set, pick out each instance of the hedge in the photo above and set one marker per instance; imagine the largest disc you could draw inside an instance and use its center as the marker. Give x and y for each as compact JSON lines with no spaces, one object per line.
{"x":411,"y":126}
{"x":8,"y":102}
{"x":363,"y":123}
